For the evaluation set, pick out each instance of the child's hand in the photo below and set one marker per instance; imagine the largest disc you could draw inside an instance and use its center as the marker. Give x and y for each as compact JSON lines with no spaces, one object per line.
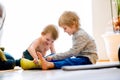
{"x":36,"y":61}
{"x":49,"y":58}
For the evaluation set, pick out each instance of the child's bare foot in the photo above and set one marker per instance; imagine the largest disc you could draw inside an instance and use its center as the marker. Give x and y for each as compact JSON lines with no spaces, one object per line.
{"x":43,"y":62}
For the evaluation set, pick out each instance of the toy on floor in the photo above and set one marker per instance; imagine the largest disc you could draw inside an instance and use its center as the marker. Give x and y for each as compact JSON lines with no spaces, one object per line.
{"x":2,"y":56}
{"x":6,"y":60}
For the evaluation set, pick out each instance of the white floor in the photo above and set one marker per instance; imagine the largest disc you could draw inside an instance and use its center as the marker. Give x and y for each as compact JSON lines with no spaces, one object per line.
{"x":94,"y":74}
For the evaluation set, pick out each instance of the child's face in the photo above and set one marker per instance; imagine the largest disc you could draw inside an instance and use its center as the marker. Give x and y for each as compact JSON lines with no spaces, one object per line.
{"x":47,"y":38}
{"x":69,"y":30}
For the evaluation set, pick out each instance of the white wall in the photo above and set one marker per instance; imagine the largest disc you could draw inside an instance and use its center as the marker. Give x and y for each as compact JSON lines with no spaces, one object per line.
{"x":26,"y":18}
{"x":101,"y":23}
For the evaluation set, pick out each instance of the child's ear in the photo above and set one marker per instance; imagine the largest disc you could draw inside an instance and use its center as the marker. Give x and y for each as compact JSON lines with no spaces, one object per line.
{"x":42,"y":33}
{"x":74,"y":23}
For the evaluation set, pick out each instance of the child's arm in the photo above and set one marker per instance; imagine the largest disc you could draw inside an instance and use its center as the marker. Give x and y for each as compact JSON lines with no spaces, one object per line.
{"x":32,"y":50}
{"x":79,"y":44}
{"x":52,"y":49}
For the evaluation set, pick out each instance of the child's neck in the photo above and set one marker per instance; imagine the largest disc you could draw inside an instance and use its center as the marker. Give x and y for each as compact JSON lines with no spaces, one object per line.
{"x":75,"y":30}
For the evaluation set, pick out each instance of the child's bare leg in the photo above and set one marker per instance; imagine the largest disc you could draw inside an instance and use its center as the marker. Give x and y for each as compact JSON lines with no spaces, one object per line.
{"x":45,"y":64}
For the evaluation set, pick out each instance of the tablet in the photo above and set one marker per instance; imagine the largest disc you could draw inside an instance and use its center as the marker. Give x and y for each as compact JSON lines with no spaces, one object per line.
{"x":92,"y":66}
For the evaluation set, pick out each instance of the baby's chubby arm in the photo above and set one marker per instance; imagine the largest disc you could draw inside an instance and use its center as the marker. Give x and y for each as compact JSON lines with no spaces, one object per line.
{"x":32,"y":50}
{"x":52,"y":48}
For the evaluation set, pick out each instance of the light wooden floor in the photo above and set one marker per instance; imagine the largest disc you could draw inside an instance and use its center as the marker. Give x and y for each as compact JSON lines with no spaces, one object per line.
{"x":93,"y":74}
{"x":96,"y":74}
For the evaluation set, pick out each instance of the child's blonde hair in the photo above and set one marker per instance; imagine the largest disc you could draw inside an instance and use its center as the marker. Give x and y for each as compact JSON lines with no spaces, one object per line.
{"x":69,"y":18}
{"x":52,"y":29}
